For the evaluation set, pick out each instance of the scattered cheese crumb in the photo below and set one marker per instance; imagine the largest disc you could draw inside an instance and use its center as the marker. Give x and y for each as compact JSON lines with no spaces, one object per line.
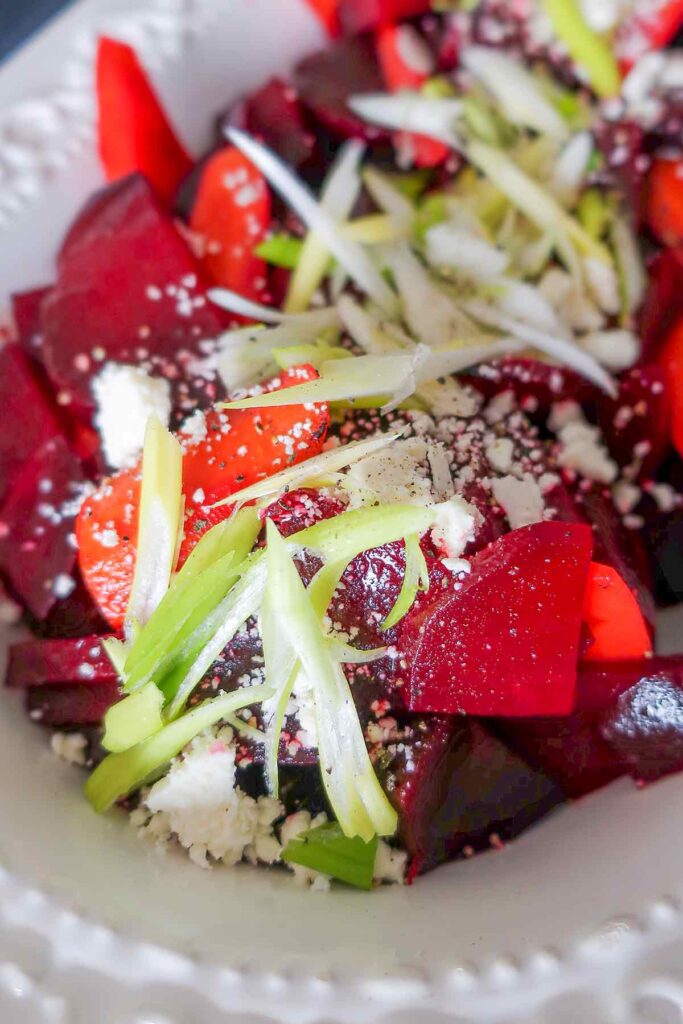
{"x":70,"y":746}
{"x":521,"y":500}
{"x":126,"y":397}
{"x":580,"y":446}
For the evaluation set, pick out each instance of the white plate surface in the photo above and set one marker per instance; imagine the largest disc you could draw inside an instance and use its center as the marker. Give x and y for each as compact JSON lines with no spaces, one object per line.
{"x":578,"y":922}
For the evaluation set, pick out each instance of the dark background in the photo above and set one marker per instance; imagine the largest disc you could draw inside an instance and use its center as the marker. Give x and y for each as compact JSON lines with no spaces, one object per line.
{"x":20,"y":18}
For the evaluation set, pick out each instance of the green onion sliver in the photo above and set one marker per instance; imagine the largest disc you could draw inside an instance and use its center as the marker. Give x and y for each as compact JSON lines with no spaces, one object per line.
{"x":133,"y":719}
{"x":328,"y":850}
{"x":415,"y":578}
{"x":589,"y":50}
{"x":281,"y":250}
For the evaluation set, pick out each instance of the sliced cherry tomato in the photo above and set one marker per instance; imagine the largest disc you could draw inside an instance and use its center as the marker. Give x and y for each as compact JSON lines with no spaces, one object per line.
{"x":406,"y":63}
{"x":650,"y":27}
{"x":613,"y":617}
{"x":664,"y":201}
{"x":670,"y":358}
{"x":232,"y":214}
{"x":238,"y":448}
{"x":134,"y":132}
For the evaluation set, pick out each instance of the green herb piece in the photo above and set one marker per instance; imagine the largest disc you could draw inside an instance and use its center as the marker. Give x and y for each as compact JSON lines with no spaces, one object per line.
{"x":415,"y":578}
{"x":589,"y":50}
{"x":328,"y":850}
{"x":160,"y":520}
{"x":281,"y":250}
{"x":316,"y":354}
{"x":594,"y":213}
{"x":133,"y":719}
{"x":122,"y":773}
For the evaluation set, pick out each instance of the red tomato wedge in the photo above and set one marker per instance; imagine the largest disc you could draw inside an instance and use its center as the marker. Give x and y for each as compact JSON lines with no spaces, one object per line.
{"x":238,"y":448}
{"x":133,"y":131}
{"x":664,"y":201}
{"x":231,"y":213}
{"x":612,"y":614}
{"x":406,"y":63}
{"x":670,"y":358}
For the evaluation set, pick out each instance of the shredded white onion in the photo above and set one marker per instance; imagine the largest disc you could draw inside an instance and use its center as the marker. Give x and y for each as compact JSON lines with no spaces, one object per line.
{"x":428,"y":312}
{"x":570,"y":168}
{"x":351,"y":255}
{"x":236,"y":303}
{"x":389,"y":199}
{"x":450,"y":245}
{"x":412,"y":112}
{"x":514,"y":89}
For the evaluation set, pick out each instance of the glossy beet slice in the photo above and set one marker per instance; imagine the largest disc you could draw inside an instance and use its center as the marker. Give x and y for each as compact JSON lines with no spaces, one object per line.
{"x":325,"y":81}
{"x":628,"y":720}
{"x":459,"y":789}
{"x":128,"y":289}
{"x":29,"y":418}
{"x":636,"y":425}
{"x":75,"y":705}
{"x":26,"y":307}
{"x":274,"y":114}
{"x":535,"y":385}
{"x":41,"y":662}
{"x":506,"y":642}
{"x":37,"y":556}
{"x":663,"y":303}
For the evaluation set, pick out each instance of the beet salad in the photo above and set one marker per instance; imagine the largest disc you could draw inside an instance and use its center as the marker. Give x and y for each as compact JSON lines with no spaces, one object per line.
{"x":340,"y":468}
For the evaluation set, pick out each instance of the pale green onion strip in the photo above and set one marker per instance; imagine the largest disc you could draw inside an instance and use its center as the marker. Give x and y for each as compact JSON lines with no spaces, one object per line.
{"x":352,"y":256}
{"x":236,"y":303}
{"x":120,"y":774}
{"x":337,"y":199}
{"x":592,"y":53}
{"x":339,"y":380}
{"x":320,"y":465}
{"x":415,"y":578}
{"x":281,"y":668}
{"x":356,"y":797}
{"x":413,"y":112}
{"x":159,"y":521}
{"x":399,"y":208}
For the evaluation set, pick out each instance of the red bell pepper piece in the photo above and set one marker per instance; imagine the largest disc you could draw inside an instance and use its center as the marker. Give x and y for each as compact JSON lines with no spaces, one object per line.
{"x":507,"y":642}
{"x":650,"y":29}
{"x":670,"y":358}
{"x":664,"y":201}
{"x":239,"y":448}
{"x":613,"y":617}
{"x":400,"y":54}
{"x":232,"y":214}
{"x":134,"y":132}
{"x":328,"y":12}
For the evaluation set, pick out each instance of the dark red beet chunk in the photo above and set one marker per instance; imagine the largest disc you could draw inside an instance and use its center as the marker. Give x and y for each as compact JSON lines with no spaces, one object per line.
{"x":36,"y":554}
{"x":535,"y":385}
{"x":628,"y":720}
{"x":663,"y":304}
{"x":29,"y":418}
{"x":365,"y":15}
{"x":636,"y":424}
{"x":76,"y":705}
{"x":128,"y":290}
{"x":274,"y":115}
{"x":459,"y":789}
{"x":325,"y":81}
{"x":41,"y":662}
{"x":26,"y":309}
{"x":506,"y":643}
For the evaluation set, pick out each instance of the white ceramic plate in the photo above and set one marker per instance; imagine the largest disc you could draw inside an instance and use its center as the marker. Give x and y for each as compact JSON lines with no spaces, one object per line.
{"x":578,"y":922}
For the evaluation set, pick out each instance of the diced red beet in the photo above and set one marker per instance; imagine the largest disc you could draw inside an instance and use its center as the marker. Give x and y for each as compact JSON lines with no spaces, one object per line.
{"x":29,"y":418}
{"x":636,"y":424}
{"x":37,"y":556}
{"x":536,"y":385}
{"x":663,"y":304}
{"x":274,"y":114}
{"x":41,"y":662}
{"x":303,"y":507}
{"x":325,"y":81}
{"x":458,"y":789}
{"x":26,"y":308}
{"x":357,"y":16}
{"x":506,"y":642}
{"x":74,"y":705}
{"x":628,"y":720}
{"x":128,"y":290}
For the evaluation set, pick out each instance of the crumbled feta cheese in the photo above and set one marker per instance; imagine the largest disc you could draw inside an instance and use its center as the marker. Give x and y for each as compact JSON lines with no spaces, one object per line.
{"x":63,"y":586}
{"x":303,"y":701}
{"x":70,"y":746}
{"x":126,"y":397}
{"x":521,"y":500}
{"x":198,"y":802}
{"x":194,"y":428}
{"x":292,"y":827}
{"x":397,"y":474}
{"x":665,"y":497}
{"x":500,"y":454}
{"x":390,"y":864}
{"x":580,"y":446}
{"x":603,"y":284}
{"x":626,"y":496}
{"x":455,"y":523}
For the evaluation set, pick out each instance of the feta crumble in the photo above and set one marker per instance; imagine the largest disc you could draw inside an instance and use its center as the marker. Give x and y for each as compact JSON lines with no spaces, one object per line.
{"x":520,"y":499}
{"x":126,"y":397}
{"x":70,"y":746}
{"x":580,"y":445}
